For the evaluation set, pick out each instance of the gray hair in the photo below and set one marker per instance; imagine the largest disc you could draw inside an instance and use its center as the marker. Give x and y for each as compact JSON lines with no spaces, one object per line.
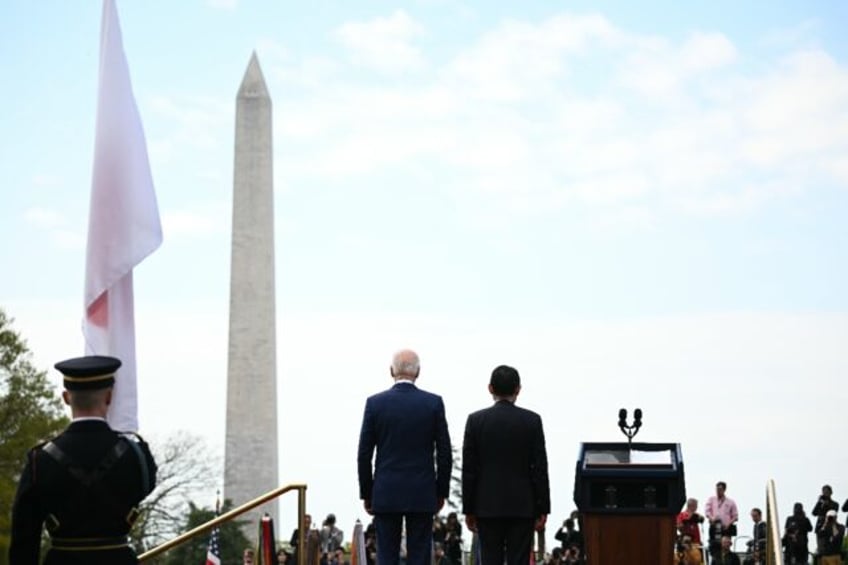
{"x":406,"y":363}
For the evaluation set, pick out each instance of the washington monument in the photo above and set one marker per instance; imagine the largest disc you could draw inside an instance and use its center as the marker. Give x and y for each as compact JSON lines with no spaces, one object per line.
{"x":250,"y":467}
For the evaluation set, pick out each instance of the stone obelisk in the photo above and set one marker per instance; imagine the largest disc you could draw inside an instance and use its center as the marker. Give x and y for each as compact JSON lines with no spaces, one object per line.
{"x":250,"y":467}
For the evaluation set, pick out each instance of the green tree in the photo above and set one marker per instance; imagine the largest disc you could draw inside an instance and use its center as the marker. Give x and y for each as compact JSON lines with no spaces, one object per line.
{"x":232,"y":540}
{"x":30,"y":412}
{"x":455,"y":499}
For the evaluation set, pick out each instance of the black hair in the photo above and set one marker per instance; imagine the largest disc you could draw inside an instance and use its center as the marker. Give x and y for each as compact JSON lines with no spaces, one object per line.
{"x":505,"y":381}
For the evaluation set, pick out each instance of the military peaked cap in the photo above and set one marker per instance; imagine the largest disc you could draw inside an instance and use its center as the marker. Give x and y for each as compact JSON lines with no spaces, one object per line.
{"x":88,"y":373}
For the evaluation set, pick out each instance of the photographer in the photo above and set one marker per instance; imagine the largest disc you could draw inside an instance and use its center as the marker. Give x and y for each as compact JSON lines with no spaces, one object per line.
{"x":331,"y":536}
{"x":824,"y":504}
{"x":795,"y":542}
{"x":830,"y":536}
{"x":568,"y":536}
{"x":714,"y":538}
{"x":689,"y":521}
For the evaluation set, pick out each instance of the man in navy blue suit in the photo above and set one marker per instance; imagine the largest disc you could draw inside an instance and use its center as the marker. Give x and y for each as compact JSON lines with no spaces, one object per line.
{"x":406,"y":426}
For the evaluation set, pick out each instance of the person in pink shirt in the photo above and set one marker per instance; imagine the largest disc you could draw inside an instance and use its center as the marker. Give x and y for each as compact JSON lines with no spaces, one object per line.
{"x":722,"y":513}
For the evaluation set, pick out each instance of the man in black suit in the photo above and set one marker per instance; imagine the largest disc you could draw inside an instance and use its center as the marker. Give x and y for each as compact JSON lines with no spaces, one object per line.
{"x":86,"y":483}
{"x":406,"y":426}
{"x":505,"y":489}
{"x":758,"y":541}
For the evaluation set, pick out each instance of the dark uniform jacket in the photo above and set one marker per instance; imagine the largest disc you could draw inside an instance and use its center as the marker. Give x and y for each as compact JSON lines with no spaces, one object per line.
{"x":84,"y":486}
{"x":505,"y":464}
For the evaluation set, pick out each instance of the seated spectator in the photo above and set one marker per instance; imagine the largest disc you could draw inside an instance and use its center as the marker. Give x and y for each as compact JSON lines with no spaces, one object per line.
{"x":573,"y":555}
{"x":338,"y":558}
{"x":725,"y":555}
{"x":247,"y":557}
{"x":755,"y":558}
{"x":555,"y":557}
{"x":688,"y":553}
{"x":282,"y":557}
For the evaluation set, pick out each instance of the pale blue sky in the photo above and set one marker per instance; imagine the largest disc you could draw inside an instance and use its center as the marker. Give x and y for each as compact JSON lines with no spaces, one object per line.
{"x":590,"y":189}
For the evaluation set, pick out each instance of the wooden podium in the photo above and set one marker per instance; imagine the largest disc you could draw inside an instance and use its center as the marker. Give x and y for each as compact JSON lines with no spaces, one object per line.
{"x":629,"y":496}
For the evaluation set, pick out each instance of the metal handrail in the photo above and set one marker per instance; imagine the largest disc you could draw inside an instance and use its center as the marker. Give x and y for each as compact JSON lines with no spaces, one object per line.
{"x":737,"y":539}
{"x":774,"y":554}
{"x":238,"y":511}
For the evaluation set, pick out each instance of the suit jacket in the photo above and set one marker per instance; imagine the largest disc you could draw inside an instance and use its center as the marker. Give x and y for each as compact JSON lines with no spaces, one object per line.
{"x":505,"y":464}
{"x":728,"y":558}
{"x":49,"y":491}
{"x":405,"y":425}
{"x":759,"y":538}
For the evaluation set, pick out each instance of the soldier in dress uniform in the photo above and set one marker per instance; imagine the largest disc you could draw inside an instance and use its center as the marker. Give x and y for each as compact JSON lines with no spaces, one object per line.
{"x":84,"y":485}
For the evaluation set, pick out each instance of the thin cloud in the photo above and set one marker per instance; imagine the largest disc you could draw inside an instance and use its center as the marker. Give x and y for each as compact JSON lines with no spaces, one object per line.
{"x":43,"y":218}
{"x":384,"y":43}
{"x":55,"y":225}
{"x":673,"y":124}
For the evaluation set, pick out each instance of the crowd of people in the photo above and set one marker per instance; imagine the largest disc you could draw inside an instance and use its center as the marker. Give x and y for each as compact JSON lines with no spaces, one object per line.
{"x":702,"y":538}
{"x":505,"y":489}
{"x":720,"y":519}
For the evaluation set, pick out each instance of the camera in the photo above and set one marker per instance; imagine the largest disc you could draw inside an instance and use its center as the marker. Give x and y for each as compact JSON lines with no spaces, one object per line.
{"x":694,"y":518}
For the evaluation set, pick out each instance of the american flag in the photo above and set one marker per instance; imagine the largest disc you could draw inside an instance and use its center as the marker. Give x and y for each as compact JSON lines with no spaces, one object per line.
{"x":213,"y":554}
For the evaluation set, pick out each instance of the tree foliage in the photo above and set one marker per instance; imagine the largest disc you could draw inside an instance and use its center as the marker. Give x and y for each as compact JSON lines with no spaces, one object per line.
{"x":30,"y":412}
{"x":232,"y":540}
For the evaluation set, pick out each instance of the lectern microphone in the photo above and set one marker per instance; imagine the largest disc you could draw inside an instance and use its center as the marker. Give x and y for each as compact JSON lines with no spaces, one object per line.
{"x":629,"y":430}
